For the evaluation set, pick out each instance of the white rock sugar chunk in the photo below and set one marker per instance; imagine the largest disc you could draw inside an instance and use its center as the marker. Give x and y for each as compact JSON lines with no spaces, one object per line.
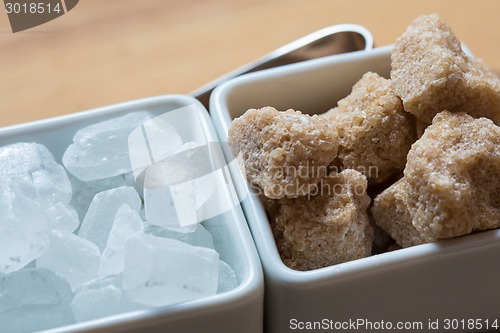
{"x":190,"y":145}
{"x":204,"y":185}
{"x":177,"y":187}
{"x":102,"y":211}
{"x":159,"y":205}
{"x":100,"y":298}
{"x":162,"y":137}
{"x":101,"y":150}
{"x":142,"y":213}
{"x":84,"y":192}
{"x":227,"y":278}
{"x":24,"y":233}
{"x":161,"y":271}
{"x":31,"y":166}
{"x":197,"y":237}
{"x":34,"y":300}
{"x":166,"y":204}
{"x":72,"y":257}
{"x":184,"y":198}
{"x":62,"y":217}
{"x":126,"y":224}
{"x":151,"y":143}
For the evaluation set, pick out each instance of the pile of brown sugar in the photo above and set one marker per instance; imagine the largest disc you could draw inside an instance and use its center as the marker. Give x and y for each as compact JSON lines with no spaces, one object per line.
{"x":313,"y":172}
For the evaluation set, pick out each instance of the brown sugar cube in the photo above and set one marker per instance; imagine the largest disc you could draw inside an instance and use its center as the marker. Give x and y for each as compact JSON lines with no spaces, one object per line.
{"x":272,"y":207}
{"x":284,"y":153}
{"x":326,"y":228}
{"x":451,"y":185}
{"x":453,"y":177}
{"x":390,"y":211}
{"x":375,"y":132}
{"x":431,"y":73}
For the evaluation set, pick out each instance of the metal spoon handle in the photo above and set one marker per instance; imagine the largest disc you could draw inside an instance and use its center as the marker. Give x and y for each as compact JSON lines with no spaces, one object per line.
{"x":341,"y":38}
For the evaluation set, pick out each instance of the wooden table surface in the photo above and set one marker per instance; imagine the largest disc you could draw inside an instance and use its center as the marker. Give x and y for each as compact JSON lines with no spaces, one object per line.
{"x":108,"y":51}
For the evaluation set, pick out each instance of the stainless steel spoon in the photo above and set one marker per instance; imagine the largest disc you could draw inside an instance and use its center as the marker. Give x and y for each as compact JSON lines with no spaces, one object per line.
{"x":341,"y":38}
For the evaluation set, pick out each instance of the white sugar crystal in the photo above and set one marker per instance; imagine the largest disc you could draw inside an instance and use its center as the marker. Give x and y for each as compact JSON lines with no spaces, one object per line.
{"x":176,"y":189}
{"x":24,"y":233}
{"x":101,"y":150}
{"x":161,"y":271}
{"x":100,"y":298}
{"x":32,"y":264}
{"x":34,"y":300}
{"x":126,"y":224}
{"x":102,"y":211}
{"x":33,"y":168}
{"x":84,"y":192}
{"x":184,"y":198}
{"x":154,"y":141}
{"x":73,"y":257}
{"x":162,"y":138}
{"x":168,"y":205}
{"x":204,"y":185}
{"x":62,"y":217}
{"x":142,"y":213}
{"x":188,"y":146}
{"x":198,"y":237}
{"x":227,"y":278}
{"x":159,"y":206}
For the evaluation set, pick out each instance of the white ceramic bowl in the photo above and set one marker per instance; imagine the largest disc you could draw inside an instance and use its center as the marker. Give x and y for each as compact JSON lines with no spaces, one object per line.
{"x":453,"y":279}
{"x":238,"y":310}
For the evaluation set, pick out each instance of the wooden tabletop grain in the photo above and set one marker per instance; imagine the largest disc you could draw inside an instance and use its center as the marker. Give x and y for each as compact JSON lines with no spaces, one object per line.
{"x":108,"y":51}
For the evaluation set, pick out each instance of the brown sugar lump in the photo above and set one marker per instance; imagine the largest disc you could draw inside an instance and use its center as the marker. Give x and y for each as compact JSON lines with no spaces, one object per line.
{"x":326,"y":228}
{"x":284,"y":153}
{"x":451,"y":185}
{"x":272,"y":207}
{"x":375,"y":132}
{"x":431,"y":73}
{"x":390,"y":211}
{"x":453,"y":177}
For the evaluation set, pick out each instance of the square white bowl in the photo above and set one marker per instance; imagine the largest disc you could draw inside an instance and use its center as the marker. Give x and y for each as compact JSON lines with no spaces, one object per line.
{"x":451,"y":279}
{"x":240,"y":309}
